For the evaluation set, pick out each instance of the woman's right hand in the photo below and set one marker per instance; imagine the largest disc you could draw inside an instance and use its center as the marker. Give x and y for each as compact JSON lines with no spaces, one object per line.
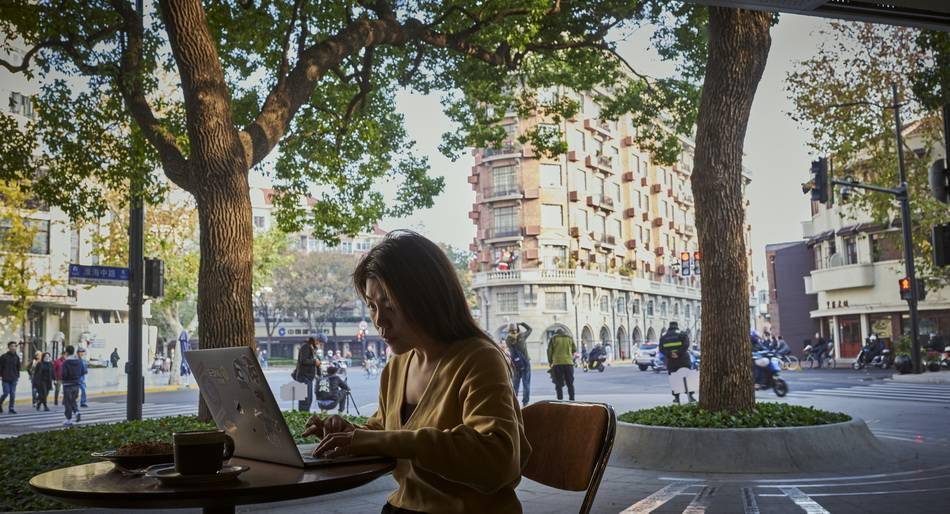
{"x":320,"y":427}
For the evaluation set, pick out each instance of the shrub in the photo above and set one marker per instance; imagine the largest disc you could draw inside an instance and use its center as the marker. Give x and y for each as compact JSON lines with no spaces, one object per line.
{"x":28,"y":455}
{"x":765,"y":415}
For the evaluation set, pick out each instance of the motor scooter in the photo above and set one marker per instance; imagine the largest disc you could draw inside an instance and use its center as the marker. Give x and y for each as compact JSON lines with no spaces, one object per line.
{"x":769,"y":366}
{"x":882,"y":360}
{"x":596,"y":361}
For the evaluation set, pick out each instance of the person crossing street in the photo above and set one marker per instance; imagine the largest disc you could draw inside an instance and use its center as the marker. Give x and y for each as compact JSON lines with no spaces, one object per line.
{"x":9,"y":375}
{"x":675,"y":345}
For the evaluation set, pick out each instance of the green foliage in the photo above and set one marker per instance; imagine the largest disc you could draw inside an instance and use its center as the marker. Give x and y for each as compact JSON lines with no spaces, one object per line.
{"x":859,"y":62}
{"x":765,"y":415}
{"x":461,"y":258}
{"x":26,"y":456}
{"x":271,"y":253}
{"x":315,"y":285}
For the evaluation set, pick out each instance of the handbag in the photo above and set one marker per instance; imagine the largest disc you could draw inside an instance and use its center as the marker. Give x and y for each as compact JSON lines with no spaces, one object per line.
{"x":295,"y":374}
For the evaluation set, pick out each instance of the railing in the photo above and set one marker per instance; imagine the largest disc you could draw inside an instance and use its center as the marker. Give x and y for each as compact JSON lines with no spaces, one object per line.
{"x":557,"y":273}
{"x":606,"y":161}
{"x":504,"y":275}
{"x":499,"y":191}
{"x":506,"y":149}
{"x":504,"y":232}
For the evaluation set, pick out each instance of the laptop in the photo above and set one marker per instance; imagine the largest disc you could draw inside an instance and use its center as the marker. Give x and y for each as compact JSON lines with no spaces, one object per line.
{"x":233,"y":386}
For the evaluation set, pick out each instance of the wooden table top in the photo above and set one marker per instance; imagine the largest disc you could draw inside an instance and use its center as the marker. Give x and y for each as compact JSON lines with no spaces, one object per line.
{"x":100,"y":485}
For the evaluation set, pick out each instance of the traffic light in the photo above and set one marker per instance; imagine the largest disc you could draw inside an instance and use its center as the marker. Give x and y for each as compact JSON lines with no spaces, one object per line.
{"x":684,"y":264}
{"x":154,"y":278}
{"x":938,"y":181}
{"x":906,"y":291}
{"x":696,"y":256}
{"x":818,"y":185}
{"x":941,"y":245}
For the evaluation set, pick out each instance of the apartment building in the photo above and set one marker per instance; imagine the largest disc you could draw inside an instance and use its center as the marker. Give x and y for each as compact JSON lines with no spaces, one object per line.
{"x":856,"y":265}
{"x":788,"y":305}
{"x":588,"y":241}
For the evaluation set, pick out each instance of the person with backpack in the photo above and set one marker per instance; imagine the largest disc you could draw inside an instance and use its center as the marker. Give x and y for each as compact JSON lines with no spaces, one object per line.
{"x":520,"y":363}
{"x":332,"y":391}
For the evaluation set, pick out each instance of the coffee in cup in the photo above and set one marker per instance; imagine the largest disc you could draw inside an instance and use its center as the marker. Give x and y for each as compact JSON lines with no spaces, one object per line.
{"x":201,"y":452}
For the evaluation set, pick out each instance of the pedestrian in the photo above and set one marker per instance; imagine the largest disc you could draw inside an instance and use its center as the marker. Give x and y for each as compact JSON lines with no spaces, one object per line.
{"x":81,"y":355}
{"x":609,"y":349}
{"x":820,"y":348}
{"x":37,"y":358}
{"x":521,"y":364}
{"x":58,"y":375}
{"x":9,"y":375}
{"x":114,"y":358}
{"x":43,"y":380}
{"x":332,"y":391}
{"x":561,"y":349}
{"x":675,"y":347}
{"x":306,"y":370}
{"x":72,"y":375}
{"x":447,"y":412}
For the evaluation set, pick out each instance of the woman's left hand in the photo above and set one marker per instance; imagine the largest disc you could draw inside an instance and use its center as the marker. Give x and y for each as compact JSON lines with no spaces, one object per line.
{"x":334,"y":445}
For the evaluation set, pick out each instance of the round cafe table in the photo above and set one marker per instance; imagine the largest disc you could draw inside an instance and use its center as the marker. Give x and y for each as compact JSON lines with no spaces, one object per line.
{"x":101,"y":485}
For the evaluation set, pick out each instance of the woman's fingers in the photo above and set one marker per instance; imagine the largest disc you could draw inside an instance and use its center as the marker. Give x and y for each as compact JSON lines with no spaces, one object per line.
{"x":334,"y":445}
{"x":315,"y":426}
{"x":337,"y":424}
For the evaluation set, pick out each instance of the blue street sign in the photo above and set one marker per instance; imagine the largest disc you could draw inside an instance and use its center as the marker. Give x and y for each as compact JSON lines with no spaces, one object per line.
{"x":281,"y":332}
{"x":98,"y":275}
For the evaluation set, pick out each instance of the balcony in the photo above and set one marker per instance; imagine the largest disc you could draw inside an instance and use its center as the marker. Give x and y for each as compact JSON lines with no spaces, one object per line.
{"x":502,"y":192}
{"x":600,"y":162}
{"x":505,"y":151}
{"x":599,"y":126}
{"x":840,"y":277}
{"x":601,"y":201}
{"x":496,"y":234}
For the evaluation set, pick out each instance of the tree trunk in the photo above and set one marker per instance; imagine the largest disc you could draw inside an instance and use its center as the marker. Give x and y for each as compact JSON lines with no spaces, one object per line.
{"x":739,"y":44}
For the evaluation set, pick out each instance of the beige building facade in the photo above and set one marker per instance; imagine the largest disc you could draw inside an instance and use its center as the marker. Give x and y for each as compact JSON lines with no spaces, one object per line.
{"x":589,"y":241}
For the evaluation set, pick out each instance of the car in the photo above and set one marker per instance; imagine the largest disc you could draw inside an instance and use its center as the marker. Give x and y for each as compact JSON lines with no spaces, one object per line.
{"x":645,"y":355}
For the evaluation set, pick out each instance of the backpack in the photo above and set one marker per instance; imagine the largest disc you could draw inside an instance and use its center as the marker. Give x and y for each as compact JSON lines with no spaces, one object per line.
{"x":518,"y":360}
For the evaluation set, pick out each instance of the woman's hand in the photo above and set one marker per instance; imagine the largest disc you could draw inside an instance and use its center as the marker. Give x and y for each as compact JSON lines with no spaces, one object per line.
{"x":323,"y":427}
{"x":334,"y":445}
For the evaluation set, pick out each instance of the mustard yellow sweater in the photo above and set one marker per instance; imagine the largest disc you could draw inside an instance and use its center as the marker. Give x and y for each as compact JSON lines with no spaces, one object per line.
{"x":464,"y":446}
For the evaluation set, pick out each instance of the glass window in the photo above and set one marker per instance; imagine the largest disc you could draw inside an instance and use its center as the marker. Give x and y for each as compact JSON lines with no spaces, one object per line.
{"x":582,"y":220}
{"x":552,"y":216}
{"x":589,"y":301}
{"x":507,"y":301}
{"x":74,"y":245}
{"x":886,"y":246}
{"x":850,"y":250}
{"x":550,"y":175}
{"x":617,"y":224}
{"x":599,"y":224}
{"x":554,"y":256}
{"x":504,"y":180}
{"x":615,"y":193}
{"x":506,"y":221}
{"x":689,"y":311}
{"x":578,"y":141}
{"x":636,"y":306}
{"x":259,"y":222}
{"x":621,"y":304}
{"x":597,"y":186}
{"x":604,"y":304}
{"x":650,"y":308}
{"x":555,"y":301}
{"x":580,"y":180}
{"x":663,"y":309}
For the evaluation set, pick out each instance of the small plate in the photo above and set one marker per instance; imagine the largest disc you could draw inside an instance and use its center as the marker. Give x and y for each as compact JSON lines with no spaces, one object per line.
{"x":131,"y":463}
{"x":167,"y":475}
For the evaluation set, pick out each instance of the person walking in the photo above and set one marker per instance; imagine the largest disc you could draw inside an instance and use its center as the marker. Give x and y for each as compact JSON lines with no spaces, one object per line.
{"x":307,"y":370}
{"x":520,"y":363}
{"x":58,"y":375}
{"x":675,"y":347}
{"x":561,"y":350}
{"x":72,"y":375}
{"x":114,"y":358}
{"x":9,"y":375}
{"x":81,"y":355}
{"x":43,"y":380}
{"x":37,"y":358}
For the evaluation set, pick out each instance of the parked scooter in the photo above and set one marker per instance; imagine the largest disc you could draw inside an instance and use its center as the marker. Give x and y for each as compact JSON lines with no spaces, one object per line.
{"x":766,"y":376}
{"x":882,"y":359}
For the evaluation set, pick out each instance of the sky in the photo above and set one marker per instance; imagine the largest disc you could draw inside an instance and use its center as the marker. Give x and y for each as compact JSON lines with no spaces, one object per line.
{"x":775,"y":147}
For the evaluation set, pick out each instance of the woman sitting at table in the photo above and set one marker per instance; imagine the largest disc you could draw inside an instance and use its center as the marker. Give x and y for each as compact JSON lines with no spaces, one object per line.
{"x":446,"y":411}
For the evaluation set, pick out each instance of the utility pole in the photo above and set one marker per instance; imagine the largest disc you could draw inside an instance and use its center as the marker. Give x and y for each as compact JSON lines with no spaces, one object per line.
{"x":135,"y":390}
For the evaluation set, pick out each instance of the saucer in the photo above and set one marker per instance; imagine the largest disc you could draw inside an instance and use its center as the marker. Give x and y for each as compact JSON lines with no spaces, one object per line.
{"x":166,"y":474}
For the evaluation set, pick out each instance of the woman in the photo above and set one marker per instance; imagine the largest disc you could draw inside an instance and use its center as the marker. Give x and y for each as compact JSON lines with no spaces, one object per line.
{"x":446,"y":411}
{"x":42,"y":380}
{"x":37,"y":359}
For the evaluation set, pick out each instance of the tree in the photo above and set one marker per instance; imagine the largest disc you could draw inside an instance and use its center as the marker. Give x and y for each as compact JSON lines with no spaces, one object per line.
{"x":858,"y":62}
{"x":22,"y":281}
{"x":270,"y":256}
{"x":461,"y":260}
{"x":318,"y":286}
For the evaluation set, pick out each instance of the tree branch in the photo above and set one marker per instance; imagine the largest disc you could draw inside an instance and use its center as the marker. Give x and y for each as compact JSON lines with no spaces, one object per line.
{"x":285,"y":46}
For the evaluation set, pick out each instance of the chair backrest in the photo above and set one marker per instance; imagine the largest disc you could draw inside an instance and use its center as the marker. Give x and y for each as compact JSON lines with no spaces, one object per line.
{"x":570,"y":445}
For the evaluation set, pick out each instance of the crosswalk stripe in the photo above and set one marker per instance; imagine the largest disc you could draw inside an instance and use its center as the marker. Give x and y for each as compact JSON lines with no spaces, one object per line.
{"x":873,"y":391}
{"x":657,"y":499}
{"x":97,"y":413}
{"x":844,"y":394}
{"x":701,"y":502}
{"x":803,"y":501}
{"x":748,"y":501}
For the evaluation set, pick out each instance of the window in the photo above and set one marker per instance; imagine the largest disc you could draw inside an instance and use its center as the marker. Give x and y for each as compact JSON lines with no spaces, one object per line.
{"x":597,"y":187}
{"x":547,"y":96}
{"x":550,"y":175}
{"x":40,"y":229}
{"x":74,"y":245}
{"x":650,"y":308}
{"x":554,"y":256}
{"x":636,"y":306}
{"x":635,"y":163}
{"x":552,"y":216}
{"x":302,"y":246}
{"x":582,"y":220}
{"x":850,"y":250}
{"x":259,"y":222}
{"x":621,"y":304}
{"x":507,"y":301}
{"x":885,"y":246}
{"x":588,"y":301}
{"x":580,"y":180}
{"x":313,"y":244}
{"x":604,"y":304}
{"x":506,"y":221}
{"x":676,"y":309}
{"x":615,"y":193}
{"x":689,"y":311}
{"x":578,"y":141}
{"x":555,"y":301}
{"x":346,"y":246}
{"x":599,"y":224}
{"x":504,"y":180}
{"x":664,"y":310}
{"x":616,"y":224}
{"x":511,"y":131}
{"x":21,"y":104}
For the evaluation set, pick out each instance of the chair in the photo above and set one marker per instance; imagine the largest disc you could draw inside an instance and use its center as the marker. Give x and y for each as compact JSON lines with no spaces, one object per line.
{"x":561,"y":457}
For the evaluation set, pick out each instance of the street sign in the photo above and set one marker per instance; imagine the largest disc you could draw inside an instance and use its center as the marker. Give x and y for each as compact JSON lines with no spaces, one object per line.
{"x":98,"y":275}
{"x":281,"y":331}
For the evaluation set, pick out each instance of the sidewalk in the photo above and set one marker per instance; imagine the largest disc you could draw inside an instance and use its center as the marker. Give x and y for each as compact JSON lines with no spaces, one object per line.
{"x":927,"y":377}
{"x":106,"y":382}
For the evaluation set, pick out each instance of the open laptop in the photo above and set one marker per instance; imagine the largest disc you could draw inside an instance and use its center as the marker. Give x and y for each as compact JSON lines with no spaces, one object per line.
{"x":241,"y":402}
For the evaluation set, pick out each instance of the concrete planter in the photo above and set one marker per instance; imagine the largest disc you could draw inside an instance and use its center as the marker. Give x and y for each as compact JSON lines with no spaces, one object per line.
{"x":821,"y":448}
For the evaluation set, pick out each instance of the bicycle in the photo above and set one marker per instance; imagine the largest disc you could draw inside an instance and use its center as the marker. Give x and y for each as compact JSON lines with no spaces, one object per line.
{"x":790,"y":362}
{"x":812,"y":359}
{"x":370,"y":368}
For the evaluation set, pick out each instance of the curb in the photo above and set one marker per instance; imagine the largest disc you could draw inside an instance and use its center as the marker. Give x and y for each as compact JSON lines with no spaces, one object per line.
{"x":927,"y":377}
{"x":820,"y":448}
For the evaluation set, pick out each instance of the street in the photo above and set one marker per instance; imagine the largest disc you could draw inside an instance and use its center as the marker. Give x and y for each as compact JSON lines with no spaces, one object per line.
{"x":911,"y":419}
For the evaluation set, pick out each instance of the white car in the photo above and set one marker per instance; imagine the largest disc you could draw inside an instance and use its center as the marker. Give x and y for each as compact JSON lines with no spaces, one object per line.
{"x":645,"y":355}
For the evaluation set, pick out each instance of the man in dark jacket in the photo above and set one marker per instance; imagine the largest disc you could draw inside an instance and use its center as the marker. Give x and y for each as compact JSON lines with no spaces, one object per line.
{"x":9,"y":375}
{"x":332,"y":391}
{"x":675,"y":347}
{"x":307,"y":370}
{"x":72,"y":375}
{"x":114,"y":358}
{"x":521,"y":364}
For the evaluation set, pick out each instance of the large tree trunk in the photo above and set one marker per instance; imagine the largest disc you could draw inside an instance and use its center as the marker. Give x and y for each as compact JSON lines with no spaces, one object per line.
{"x":739,"y":44}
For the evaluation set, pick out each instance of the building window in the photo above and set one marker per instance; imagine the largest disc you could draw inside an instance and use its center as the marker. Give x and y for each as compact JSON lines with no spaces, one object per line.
{"x":550,"y":175}
{"x":600,"y":224}
{"x":40,"y":228}
{"x":580,"y":180}
{"x":552,"y":215}
{"x":22,"y":105}
{"x":588,"y":302}
{"x":676,"y":309}
{"x":582,"y":219}
{"x":850,"y":250}
{"x":621,"y":304}
{"x":636,"y":306}
{"x":689,"y":311}
{"x":554,"y":256}
{"x":578,"y":141}
{"x":74,"y":245}
{"x":259,"y":222}
{"x":313,"y":244}
{"x":885,"y":246}
{"x":664,"y":311}
{"x":507,"y":301}
{"x":303,"y":243}
{"x":604,"y":304}
{"x":504,"y":180}
{"x":506,"y":222}
{"x":617,"y":224}
{"x":555,"y":301}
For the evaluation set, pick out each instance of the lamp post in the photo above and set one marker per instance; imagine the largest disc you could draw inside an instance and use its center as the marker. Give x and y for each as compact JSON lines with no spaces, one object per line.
{"x":135,"y":388}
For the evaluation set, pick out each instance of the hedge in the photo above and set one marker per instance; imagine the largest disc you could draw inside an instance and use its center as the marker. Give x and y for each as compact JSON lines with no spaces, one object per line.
{"x":764,"y":415}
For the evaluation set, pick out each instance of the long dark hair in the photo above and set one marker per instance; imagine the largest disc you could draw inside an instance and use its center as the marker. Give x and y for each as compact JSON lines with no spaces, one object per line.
{"x":421,"y":282}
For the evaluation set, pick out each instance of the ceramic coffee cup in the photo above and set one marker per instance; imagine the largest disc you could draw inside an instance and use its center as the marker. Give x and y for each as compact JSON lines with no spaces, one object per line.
{"x":201,"y":451}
